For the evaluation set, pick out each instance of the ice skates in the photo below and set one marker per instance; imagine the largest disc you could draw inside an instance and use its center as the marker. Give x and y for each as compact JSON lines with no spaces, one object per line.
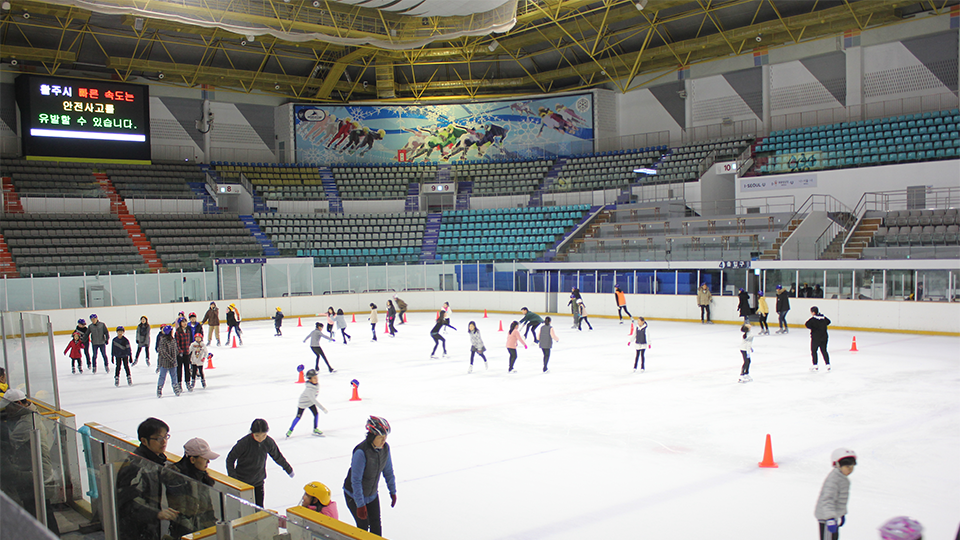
{"x":289,"y":433}
{"x":203,"y":382}
{"x":470,"y":369}
{"x":159,"y":391}
{"x":815,"y":368}
{"x":116,"y":381}
{"x":129,"y":381}
{"x":828,"y":367}
{"x":317,"y":432}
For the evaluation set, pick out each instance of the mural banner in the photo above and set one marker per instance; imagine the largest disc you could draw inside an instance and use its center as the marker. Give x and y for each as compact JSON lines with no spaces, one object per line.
{"x":494,"y":130}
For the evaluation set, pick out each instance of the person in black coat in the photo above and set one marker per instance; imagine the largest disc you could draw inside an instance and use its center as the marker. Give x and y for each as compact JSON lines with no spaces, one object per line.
{"x":140,"y":485}
{"x":189,"y":494}
{"x":744,"y":306}
{"x":818,"y":324}
{"x":783,"y":306}
{"x":247,"y":460}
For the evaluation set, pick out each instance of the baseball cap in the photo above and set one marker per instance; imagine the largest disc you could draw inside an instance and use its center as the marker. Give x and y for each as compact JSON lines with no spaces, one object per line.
{"x":198,"y":447}
{"x":14,"y":394}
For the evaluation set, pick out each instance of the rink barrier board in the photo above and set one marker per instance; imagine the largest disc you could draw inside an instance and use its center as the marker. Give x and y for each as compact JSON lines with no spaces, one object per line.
{"x":259,"y":521}
{"x":307,"y":519}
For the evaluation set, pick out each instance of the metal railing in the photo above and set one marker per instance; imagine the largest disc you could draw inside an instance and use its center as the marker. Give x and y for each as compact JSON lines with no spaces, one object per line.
{"x":867,"y":111}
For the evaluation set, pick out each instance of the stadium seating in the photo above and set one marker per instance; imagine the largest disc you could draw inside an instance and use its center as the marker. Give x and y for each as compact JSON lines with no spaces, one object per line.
{"x":380,"y":182}
{"x":609,"y":170}
{"x":503,"y":178}
{"x":896,"y":139}
{"x":504,"y":234}
{"x":336,"y":239}
{"x":683,"y":163}
{"x":187,"y":241}
{"x":50,"y":178}
{"x":70,"y":244}
{"x":146,"y":181}
{"x":277,"y":181}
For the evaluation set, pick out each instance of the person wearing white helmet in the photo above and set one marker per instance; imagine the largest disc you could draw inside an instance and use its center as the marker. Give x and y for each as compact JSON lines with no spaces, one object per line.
{"x":831,"y":506}
{"x":901,"y":528}
{"x":370,"y":459}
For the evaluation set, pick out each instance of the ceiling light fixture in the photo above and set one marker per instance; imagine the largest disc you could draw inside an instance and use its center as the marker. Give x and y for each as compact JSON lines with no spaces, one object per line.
{"x":276,"y":86}
{"x":641,"y":4}
{"x":160,"y":76}
{"x":493,"y":46}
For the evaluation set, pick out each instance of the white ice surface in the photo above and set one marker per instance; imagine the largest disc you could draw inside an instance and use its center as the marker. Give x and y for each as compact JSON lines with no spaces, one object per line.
{"x":590,"y":450}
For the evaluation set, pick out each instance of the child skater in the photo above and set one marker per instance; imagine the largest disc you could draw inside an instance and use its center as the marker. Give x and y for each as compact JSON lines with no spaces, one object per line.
{"x":308,"y":400}
{"x":316,"y":497}
{"x":513,"y":336}
{"x":143,"y":340}
{"x":641,"y":341}
{"x":315,"y":336}
{"x":374,"y":319}
{"x":84,"y":339}
{"x":341,"y":324}
{"x":73,"y":351}
{"x":198,"y":354}
{"x":121,"y":355}
{"x":746,"y":347}
{"x":831,"y":507}
{"x":435,"y":334}
{"x":547,"y":337}
{"x":476,"y":345}
{"x":391,"y":316}
{"x":233,"y":322}
{"x":583,"y":315}
{"x":762,"y":311}
{"x":277,"y":321}
{"x":331,"y":318}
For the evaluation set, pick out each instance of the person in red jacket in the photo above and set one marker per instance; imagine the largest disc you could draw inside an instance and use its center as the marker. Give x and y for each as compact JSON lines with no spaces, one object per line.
{"x":73,"y":351}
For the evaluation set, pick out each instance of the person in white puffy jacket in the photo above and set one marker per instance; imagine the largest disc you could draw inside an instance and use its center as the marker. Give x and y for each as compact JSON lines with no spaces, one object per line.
{"x":831,"y":507}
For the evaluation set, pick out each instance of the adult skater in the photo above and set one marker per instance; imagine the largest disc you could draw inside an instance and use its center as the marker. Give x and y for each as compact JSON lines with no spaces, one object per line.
{"x":99,"y":337}
{"x":621,"y":303}
{"x":185,"y":491}
{"x":247,"y":460}
{"x":374,"y":318}
{"x":391,"y":316}
{"x":513,"y":336}
{"x":435,"y":334}
{"x":476,"y":345}
{"x":198,"y":355}
{"x":167,"y":360}
{"x":84,"y":339}
{"x":120,"y":353}
{"x":143,"y":340}
{"x":278,"y":322}
{"x":233,"y":323}
{"x":582,"y":315}
{"x":547,"y":337}
{"x":574,"y":309}
{"x":212,"y":318}
{"x":308,"y":400}
{"x":641,"y":340}
{"x":783,"y":306}
{"x":183,"y":353}
{"x":762,"y":311}
{"x":831,"y":507}
{"x":140,"y":486}
{"x":746,"y":347}
{"x":342,"y":325}
{"x":401,"y":308}
{"x":704,"y":297}
{"x":818,"y":324}
{"x":315,"y":336}
{"x":743,"y":307}
{"x":531,"y":321}
{"x":370,"y":459}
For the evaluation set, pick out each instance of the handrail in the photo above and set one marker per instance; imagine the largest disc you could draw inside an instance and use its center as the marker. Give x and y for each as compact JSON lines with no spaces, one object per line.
{"x":579,"y":229}
{"x":706,"y":163}
{"x":829,"y":203}
{"x":948,"y":197}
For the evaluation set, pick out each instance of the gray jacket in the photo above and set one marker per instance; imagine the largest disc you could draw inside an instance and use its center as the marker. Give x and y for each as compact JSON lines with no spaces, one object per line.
{"x":99,"y":335}
{"x":833,"y":496}
{"x":315,"y":336}
{"x":309,"y":397}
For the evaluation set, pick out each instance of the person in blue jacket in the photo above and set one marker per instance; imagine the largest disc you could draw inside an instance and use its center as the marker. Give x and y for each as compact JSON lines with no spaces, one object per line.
{"x":371,"y":458}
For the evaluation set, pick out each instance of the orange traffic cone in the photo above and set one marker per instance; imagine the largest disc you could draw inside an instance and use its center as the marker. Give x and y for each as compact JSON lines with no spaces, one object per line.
{"x":404,"y":317}
{"x":767,"y":462}
{"x":484,"y":313}
{"x":299,"y":324}
{"x":234,"y":346}
{"x":630,"y":333}
{"x":354,"y":318}
{"x":853,"y":348}
{"x":501,"y":327}
{"x":386,"y":328}
{"x":300,"y":377}
{"x":356,"y":395}
{"x":210,"y":361}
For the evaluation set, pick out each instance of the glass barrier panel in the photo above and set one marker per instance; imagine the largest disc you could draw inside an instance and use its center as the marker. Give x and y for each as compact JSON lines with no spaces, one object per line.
{"x":377,"y":276}
{"x":358,"y":278}
{"x":899,"y":284}
{"x":171,"y":288}
{"x":3,"y":292}
{"x":687,"y":282}
{"x":251,"y":281}
{"x":395,"y":277}
{"x":193,"y":286}
{"x":439,"y":277}
{"x":39,"y":363}
{"x":148,"y":288}
{"x":416,"y":277}
{"x":17,"y":451}
{"x":276,"y":278}
{"x":839,"y":284}
{"x":123,"y":290}
{"x":588,"y":282}
{"x":340,"y":282}
{"x":734,"y":280}
{"x":13,"y":349}
{"x":210,"y":280}
{"x":569,"y":280}
{"x":810,"y":284}
{"x":19,"y":294}
{"x":301,"y":279}
{"x":933,"y":285}
{"x":46,"y":293}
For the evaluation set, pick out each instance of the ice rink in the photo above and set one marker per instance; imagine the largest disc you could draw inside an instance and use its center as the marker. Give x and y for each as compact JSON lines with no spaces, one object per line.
{"x":590,"y":450}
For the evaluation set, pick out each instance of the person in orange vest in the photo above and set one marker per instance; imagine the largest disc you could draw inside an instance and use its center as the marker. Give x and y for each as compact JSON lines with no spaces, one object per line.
{"x":621,"y":303}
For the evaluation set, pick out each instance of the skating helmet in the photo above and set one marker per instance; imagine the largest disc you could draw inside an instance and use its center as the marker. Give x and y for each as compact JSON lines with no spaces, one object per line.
{"x":378,"y":425}
{"x":779,"y":287}
{"x":318,"y":490}
{"x":311,"y":373}
{"x":901,"y":528}
{"x":278,"y":308}
{"x":841,"y":454}
{"x":759,"y":293}
{"x":93,"y":315}
{"x":382,"y":133}
{"x":77,"y":334}
{"x":166,"y":329}
{"x":192,"y":314}
{"x":121,"y":329}
{"x":81,"y":321}
{"x":232,"y":306}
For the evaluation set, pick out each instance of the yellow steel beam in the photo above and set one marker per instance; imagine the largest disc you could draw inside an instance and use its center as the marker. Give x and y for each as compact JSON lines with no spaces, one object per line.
{"x":11,"y":52}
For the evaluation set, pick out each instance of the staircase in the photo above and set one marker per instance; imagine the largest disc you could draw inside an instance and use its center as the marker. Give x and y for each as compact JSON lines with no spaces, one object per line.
{"x":834,"y":249}
{"x":861,"y":238}
{"x":536,"y":198}
{"x":269,"y":249}
{"x":200,"y":190}
{"x":413,"y":198}
{"x":11,"y":201}
{"x":464,"y":191}
{"x":334,"y":203}
{"x":431,"y":235}
{"x":118,"y":207}
{"x":773,"y":254}
{"x":8,"y":268}
{"x":589,"y":232}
